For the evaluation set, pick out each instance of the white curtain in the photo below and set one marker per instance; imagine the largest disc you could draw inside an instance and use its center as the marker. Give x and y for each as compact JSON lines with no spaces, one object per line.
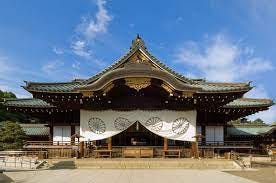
{"x":175,"y":125}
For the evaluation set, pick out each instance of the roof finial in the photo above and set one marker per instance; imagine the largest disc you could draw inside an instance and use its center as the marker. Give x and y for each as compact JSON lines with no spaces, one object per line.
{"x":138,"y":42}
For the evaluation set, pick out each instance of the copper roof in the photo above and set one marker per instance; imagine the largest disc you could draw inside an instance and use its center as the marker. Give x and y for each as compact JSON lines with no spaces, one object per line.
{"x":27,"y":102}
{"x":238,"y":103}
{"x":137,"y":46}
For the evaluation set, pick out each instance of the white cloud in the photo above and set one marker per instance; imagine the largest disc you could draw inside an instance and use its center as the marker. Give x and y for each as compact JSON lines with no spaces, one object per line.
{"x":76,"y":65}
{"x":269,"y":116}
{"x":52,"y":67}
{"x":9,"y":80}
{"x":221,"y":59}
{"x":58,"y":51}
{"x":90,"y":27}
{"x":257,"y":92}
{"x":80,"y":48}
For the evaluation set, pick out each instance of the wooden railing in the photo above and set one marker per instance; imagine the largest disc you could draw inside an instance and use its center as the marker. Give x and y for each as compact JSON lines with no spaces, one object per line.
{"x":200,"y":143}
{"x":49,"y":143}
{"x":18,"y":162}
{"x":238,"y":159}
{"x":22,"y":153}
{"x":225,"y":143}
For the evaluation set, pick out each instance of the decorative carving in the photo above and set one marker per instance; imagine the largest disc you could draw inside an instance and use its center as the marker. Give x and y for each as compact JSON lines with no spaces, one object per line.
{"x":138,"y":42}
{"x":138,"y":58}
{"x":121,"y":123}
{"x":167,"y":88}
{"x":87,"y":93}
{"x":155,"y":123}
{"x":108,"y":88}
{"x":180,"y":125}
{"x":137,"y":83}
{"x":96,"y":125}
{"x":188,"y":93}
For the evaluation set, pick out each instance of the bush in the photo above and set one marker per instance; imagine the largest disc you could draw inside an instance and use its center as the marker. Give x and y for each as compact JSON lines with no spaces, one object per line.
{"x":12,"y":136}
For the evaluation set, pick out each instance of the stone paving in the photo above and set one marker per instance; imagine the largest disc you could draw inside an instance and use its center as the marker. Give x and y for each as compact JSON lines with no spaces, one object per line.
{"x":125,"y":176}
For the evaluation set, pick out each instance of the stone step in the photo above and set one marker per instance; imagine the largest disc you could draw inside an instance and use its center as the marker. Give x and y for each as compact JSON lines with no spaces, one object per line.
{"x":151,"y":163}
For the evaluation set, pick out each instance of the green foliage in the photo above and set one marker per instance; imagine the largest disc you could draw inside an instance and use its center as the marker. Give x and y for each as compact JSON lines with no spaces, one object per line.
{"x":6,"y":94}
{"x":12,"y":136}
{"x":258,"y":122}
{"x":244,"y":121}
{"x":10,"y":116}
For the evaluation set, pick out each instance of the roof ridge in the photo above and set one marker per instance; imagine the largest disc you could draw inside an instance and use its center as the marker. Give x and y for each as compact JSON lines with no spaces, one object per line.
{"x":251,"y":125}
{"x":255,"y":99}
{"x":13,"y":99}
{"x":51,"y":83}
{"x":143,"y":49}
{"x":224,"y":83}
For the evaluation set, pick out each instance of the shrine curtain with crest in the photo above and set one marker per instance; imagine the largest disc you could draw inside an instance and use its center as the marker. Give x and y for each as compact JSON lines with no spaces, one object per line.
{"x":175,"y":125}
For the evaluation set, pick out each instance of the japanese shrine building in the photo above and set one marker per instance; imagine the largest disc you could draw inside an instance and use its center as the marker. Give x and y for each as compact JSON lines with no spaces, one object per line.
{"x":138,"y":101}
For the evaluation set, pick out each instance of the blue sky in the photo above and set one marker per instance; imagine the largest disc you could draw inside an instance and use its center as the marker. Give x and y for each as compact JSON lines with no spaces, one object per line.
{"x":231,"y":41}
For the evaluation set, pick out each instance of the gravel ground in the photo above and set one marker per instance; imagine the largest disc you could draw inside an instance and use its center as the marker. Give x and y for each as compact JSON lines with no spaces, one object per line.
{"x":263,"y":175}
{"x":125,"y":176}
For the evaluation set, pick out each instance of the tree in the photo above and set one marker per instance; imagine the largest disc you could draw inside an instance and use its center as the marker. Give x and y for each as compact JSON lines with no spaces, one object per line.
{"x":6,"y":94}
{"x":6,"y":115}
{"x":258,"y":121}
{"x":12,"y":136}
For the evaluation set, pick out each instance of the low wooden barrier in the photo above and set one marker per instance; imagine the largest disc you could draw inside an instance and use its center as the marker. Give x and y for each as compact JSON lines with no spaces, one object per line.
{"x":60,"y":153}
{"x":171,"y":153}
{"x":138,"y":152}
{"x":39,"y":153}
{"x":103,"y":153}
{"x":18,"y":162}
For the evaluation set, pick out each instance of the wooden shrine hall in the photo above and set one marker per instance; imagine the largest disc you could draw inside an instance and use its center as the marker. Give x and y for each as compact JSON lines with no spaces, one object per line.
{"x":138,"y":107}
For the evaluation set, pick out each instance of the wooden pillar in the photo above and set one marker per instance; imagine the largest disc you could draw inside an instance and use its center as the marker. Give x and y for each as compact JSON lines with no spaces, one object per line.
{"x":82,"y":149}
{"x":165,"y":144}
{"x":51,"y":135}
{"x":72,"y":133}
{"x":109,"y":145}
{"x":94,"y":143}
{"x":203,"y":133}
{"x":195,"y":149}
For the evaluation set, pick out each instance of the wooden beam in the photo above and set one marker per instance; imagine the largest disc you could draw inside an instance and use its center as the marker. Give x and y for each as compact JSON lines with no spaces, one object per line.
{"x":165,"y":144}
{"x":82,"y":149}
{"x":195,"y":149}
{"x":109,"y":145}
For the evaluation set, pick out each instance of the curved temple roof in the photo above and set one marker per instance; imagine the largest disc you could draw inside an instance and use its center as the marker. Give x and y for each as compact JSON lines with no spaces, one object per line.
{"x":71,"y":87}
{"x":238,"y":103}
{"x":138,"y":48}
{"x":249,"y":130}
{"x":27,"y":102}
{"x":249,"y":102}
{"x":36,"y":129}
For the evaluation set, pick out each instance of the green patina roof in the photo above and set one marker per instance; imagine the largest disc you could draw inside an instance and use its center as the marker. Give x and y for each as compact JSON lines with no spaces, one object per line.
{"x":238,"y":103}
{"x":249,"y":102}
{"x":35,"y":129}
{"x":222,"y":87}
{"x":71,"y":86}
{"x":27,"y":102}
{"x":64,"y":87}
{"x":249,"y":130}
{"x":137,"y":45}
